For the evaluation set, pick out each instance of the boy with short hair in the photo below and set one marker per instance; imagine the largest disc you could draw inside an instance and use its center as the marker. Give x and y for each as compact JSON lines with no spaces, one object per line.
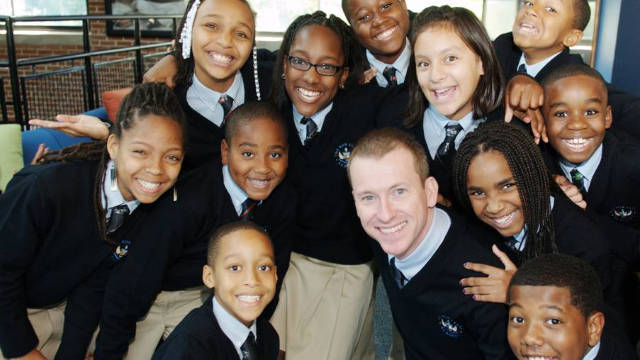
{"x":556,"y":311}
{"x":543,"y":32}
{"x":241,"y":269}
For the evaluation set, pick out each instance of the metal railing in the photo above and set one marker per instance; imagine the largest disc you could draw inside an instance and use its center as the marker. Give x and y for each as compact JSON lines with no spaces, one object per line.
{"x":19,"y":101}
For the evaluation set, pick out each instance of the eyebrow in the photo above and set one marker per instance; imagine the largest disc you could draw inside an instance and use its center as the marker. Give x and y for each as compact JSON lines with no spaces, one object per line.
{"x":560,"y":103}
{"x":505,"y":181}
{"x":216,"y":16}
{"x":300,"y":52}
{"x":552,"y":307}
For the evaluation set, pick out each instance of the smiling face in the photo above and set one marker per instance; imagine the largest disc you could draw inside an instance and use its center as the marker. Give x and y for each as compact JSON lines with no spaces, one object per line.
{"x":222,"y":39}
{"x":394,"y":206}
{"x":257,"y":157}
{"x":493,"y":193}
{"x":544,"y":27}
{"x":577,"y":116}
{"x":243,"y":274}
{"x":381,"y":26}
{"x":147,"y":157}
{"x":543,"y":324}
{"x":309,"y":91}
{"x":448,"y":71}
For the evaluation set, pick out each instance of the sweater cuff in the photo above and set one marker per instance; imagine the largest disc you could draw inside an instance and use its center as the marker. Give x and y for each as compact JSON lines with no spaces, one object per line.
{"x":18,"y":339}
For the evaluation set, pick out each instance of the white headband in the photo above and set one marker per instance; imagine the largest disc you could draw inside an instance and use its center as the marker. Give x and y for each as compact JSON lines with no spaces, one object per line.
{"x":187,"y":29}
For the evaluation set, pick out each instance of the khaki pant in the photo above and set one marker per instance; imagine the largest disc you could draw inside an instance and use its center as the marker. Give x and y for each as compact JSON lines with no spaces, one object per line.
{"x":47,"y":324}
{"x":169,"y":308}
{"x":323,"y":307}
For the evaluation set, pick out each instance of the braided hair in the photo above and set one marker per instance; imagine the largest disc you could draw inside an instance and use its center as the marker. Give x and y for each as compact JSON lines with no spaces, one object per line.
{"x":186,"y":66}
{"x":488,"y":93}
{"x":144,"y":99}
{"x":353,"y":54}
{"x":529,"y":172}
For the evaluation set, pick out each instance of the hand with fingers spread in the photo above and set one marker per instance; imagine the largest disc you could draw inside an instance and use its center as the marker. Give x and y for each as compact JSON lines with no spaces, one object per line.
{"x":570,"y":190}
{"x":76,"y":125}
{"x":42,"y":150}
{"x":163,"y":71}
{"x":523,"y":99}
{"x":493,"y":287}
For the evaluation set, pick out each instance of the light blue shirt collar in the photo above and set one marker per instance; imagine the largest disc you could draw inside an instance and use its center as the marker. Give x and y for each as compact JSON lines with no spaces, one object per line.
{"x":413,"y":263}
{"x":205,"y":101}
{"x":592,"y":353}
{"x":236,"y":331}
{"x":433,"y":124}
{"x":401,"y":64}
{"x":533,"y":70}
{"x":318,"y":118}
{"x":520,"y":238}
{"x":113,"y":197}
{"x":238,"y":196}
{"x":587,"y":168}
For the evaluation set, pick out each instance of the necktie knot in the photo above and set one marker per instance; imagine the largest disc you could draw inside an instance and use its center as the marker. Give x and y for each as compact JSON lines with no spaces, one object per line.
{"x":522,"y":69}
{"x":389,"y":74}
{"x":246,"y":207}
{"x":117,"y":217}
{"x":249,"y":348}
{"x":512,"y":243}
{"x":226,"y":102}
{"x":312,"y":128}
{"x":446,"y":150}
{"x":398,"y":276}
{"x":578,"y":180}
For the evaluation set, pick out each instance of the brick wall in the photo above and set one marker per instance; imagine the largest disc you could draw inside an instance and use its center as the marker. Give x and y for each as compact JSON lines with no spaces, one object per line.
{"x":61,"y":93}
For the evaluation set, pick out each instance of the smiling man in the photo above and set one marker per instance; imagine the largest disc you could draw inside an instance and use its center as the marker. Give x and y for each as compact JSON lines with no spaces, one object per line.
{"x":421,"y":249}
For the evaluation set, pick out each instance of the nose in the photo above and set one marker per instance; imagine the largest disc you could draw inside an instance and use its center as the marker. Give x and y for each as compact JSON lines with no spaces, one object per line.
{"x":576,"y":121}
{"x":494,"y":204}
{"x":531,"y":10}
{"x":250,"y":277}
{"x":533,"y":335}
{"x":154,"y":165}
{"x":261,"y":164}
{"x":311,"y":76}
{"x":386,"y":211}
{"x":438,"y":72}
{"x":224,"y":38}
{"x":377,"y":18}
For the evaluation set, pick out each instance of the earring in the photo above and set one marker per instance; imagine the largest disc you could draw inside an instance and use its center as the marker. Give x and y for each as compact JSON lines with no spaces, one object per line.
{"x":175,"y":194}
{"x":282,"y":76}
{"x":342,"y":86}
{"x":113,"y":178}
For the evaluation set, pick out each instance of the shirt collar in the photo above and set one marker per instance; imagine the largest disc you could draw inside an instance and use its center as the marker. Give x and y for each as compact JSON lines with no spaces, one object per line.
{"x":592,"y":353}
{"x":318,"y":118}
{"x":433,"y":124}
{"x":205,"y":101}
{"x":534,"y":69}
{"x":413,"y":263}
{"x":587,"y":168}
{"x":401,"y":64}
{"x":238,"y":196}
{"x":520,"y":239}
{"x":113,"y":197}
{"x":236,"y":331}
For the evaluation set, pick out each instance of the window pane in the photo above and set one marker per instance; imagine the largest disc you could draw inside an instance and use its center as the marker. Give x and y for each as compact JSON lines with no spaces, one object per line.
{"x":47,"y":7}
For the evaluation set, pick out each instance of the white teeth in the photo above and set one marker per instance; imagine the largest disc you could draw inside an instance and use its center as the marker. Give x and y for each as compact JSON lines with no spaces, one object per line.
{"x":308,"y":95}
{"x":148,"y":186}
{"x":258,"y":182}
{"x":385,"y":34}
{"x":577,"y":144}
{"x":221,"y":58}
{"x":528,"y":28}
{"x":393,"y":229}
{"x":249,"y":298}
{"x":504,"y":220}
{"x":539,"y":357}
{"x":443,"y":92}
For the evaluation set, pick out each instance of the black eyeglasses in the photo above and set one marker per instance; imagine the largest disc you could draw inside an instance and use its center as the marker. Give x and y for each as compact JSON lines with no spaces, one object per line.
{"x":321,"y":69}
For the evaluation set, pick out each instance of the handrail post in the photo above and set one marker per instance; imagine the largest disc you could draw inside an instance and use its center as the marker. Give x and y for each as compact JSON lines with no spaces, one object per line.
{"x":13,"y":74}
{"x":139,"y":59}
{"x":88,"y":69}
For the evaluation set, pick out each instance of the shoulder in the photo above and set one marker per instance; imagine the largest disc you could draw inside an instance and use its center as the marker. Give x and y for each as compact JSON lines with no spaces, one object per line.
{"x":59,"y":175}
{"x":268,"y":339}
{"x":472,"y":241}
{"x":577,"y":233}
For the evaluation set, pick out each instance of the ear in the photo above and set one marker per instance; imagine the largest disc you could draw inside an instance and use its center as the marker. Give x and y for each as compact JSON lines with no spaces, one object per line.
{"x":113,"y":144}
{"x":224,"y":152}
{"x":285,"y":67}
{"x":595,"y":324}
{"x":343,"y":77}
{"x":572,"y":37}
{"x":608,"y":118}
{"x":431,"y":189}
{"x":207,"y":277}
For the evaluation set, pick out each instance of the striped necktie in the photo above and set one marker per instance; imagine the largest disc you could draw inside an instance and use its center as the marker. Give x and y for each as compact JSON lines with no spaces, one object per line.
{"x":578,"y":180}
{"x":389,"y":73}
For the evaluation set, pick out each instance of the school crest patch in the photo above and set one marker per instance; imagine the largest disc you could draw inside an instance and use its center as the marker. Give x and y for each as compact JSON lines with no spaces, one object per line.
{"x":343,"y":153}
{"x":122,"y":250}
{"x":623,"y":213}
{"x":450,"y":327}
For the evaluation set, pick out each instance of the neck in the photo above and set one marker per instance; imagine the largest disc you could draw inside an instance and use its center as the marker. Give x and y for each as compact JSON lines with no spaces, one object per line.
{"x":390,"y":58}
{"x":533,"y":57}
{"x":219,"y":85}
